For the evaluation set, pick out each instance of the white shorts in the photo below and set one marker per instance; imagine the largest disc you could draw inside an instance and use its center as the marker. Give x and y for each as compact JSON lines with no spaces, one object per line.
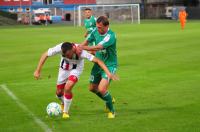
{"x":64,"y":74}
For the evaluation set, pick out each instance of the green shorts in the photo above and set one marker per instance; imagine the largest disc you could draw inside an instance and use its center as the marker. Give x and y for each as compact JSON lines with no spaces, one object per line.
{"x":97,"y":73}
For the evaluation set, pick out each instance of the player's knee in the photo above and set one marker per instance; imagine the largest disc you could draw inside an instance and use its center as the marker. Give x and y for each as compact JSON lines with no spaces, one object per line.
{"x":73,"y":78}
{"x":93,"y":88}
{"x":70,"y":83}
{"x":68,"y":88}
{"x":102,"y":90}
{"x":67,"y":91}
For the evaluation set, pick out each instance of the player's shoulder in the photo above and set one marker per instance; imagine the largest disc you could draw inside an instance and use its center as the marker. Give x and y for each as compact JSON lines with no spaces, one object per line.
{"x":111,"y":33}
{"x":55,"y":50}
{"x":58,"y":46}
{"x":85,"y":53}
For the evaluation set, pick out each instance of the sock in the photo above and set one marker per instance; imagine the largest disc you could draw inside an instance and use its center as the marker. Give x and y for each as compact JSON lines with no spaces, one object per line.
{"x":108,"y":98}
{"x":67,"y":102}
{"x":61,"y":98}
{"x":99,"y":95}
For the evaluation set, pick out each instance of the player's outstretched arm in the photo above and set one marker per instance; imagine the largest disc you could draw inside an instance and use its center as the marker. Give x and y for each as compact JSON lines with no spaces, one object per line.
{"x":40,"y":64}
{"x":85,"y":43}
{"x":103,"y":66}
{"x":92,"y":48}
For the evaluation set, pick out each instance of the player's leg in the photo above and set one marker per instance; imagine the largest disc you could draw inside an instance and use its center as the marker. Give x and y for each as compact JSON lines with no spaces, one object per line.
{"x":94,"y":89}
{"x":60,"y":91}
{"x":182,"y":24}
{"x":103,"y":89}
{"x":95,"y":78}
{"x":60,"y":94}
{"x":68,"y":94}
{"x":71,"y":81}
{"x":184,"y":21}
{"x":62,"y":76}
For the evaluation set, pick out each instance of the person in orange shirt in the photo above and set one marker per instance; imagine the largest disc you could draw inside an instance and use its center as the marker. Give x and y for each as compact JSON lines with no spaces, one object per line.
{"x":182,"y":18}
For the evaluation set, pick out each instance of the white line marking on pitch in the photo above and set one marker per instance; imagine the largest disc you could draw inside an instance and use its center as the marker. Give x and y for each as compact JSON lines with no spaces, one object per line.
{"x":22,"y":106}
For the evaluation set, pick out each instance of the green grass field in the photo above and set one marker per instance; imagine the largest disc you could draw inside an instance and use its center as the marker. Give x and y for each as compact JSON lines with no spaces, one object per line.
{"x":158,"y":91}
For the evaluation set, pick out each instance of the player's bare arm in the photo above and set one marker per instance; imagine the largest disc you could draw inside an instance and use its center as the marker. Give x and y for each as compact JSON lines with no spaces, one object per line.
{"x":40,"y":64}
{"x":85,"y":43}
{"x":91,"y":48}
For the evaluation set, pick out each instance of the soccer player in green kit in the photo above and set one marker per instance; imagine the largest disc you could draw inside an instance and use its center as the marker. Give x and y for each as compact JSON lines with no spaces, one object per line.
{"x":89,"y":21}
{"x":105,"y":48}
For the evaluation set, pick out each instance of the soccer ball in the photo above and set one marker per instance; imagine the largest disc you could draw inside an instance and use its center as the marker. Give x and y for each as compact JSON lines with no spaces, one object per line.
{"x":53,"y":109}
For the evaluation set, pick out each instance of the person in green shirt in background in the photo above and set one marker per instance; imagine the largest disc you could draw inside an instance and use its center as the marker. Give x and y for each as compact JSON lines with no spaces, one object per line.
{"x":105,"y":47}
{"x":89,"y":22}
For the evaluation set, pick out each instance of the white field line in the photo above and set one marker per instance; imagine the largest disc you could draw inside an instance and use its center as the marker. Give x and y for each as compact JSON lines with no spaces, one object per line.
{"x":24,"y":108}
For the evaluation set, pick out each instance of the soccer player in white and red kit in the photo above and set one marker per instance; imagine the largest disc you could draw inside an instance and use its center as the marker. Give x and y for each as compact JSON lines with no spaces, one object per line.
{"x":71,"y":67}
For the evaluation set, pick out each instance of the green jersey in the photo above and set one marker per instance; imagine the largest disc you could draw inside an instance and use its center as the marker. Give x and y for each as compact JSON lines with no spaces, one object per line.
{"x":90,"y":24}
{"x":108,"y":54}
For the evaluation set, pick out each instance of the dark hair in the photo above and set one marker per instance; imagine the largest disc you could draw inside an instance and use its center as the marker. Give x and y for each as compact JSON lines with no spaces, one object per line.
{"x":66,"y":46}
{"x":103,"y":20}
{"x":88,"y":9}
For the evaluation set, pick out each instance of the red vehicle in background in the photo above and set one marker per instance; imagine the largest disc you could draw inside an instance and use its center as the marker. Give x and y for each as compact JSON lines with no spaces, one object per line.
{"x":42,"y":16}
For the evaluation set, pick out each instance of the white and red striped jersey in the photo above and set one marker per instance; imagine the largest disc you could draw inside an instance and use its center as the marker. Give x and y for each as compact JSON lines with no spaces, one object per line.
{"x":77,"y":62}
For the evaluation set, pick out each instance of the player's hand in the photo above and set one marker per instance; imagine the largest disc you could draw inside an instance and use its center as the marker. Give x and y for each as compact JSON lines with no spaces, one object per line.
{"x":114,"y":77}
{"x":36,"y":74}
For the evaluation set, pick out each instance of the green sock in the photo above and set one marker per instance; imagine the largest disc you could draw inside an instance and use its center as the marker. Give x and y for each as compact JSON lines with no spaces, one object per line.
{"x":99,"y":95}
{"x":107,"y":97}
